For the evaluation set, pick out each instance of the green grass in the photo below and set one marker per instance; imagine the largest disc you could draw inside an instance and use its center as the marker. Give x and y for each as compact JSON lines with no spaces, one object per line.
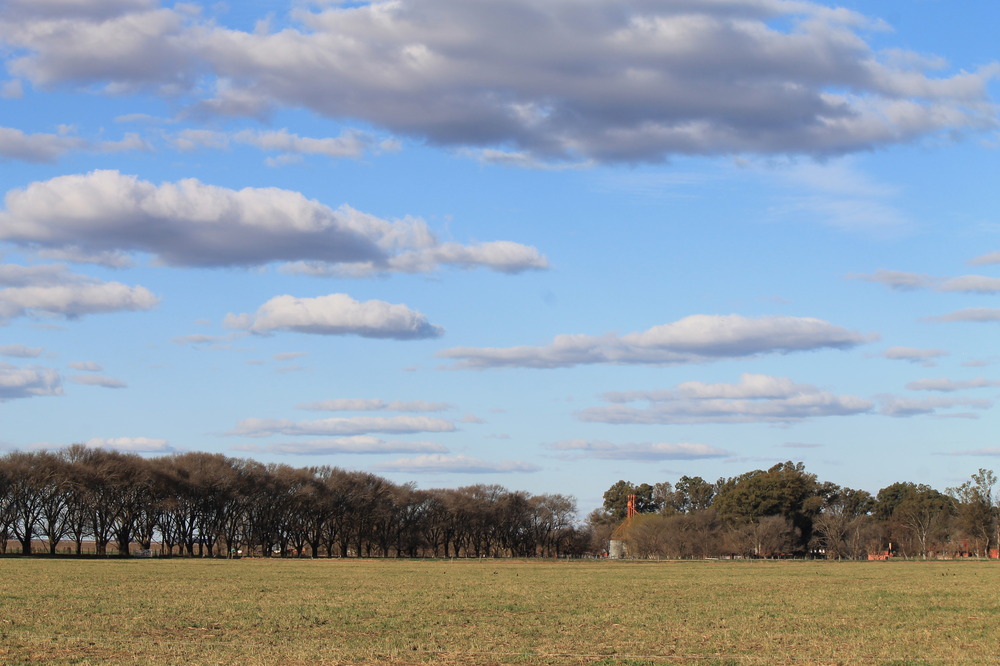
{"x":483,"y":611}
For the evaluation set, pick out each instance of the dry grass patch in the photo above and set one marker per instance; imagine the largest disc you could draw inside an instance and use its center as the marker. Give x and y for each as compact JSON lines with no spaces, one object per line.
{"x":464,"y":612}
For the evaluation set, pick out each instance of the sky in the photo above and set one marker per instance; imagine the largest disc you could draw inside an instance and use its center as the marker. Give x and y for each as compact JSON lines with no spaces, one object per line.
{"x":544,"y":245}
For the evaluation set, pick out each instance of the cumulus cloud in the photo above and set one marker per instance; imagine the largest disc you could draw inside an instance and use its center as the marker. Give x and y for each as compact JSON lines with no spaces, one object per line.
{"x":337,"y":314}
{"x":456,"y":464}
{"x":900,"y":407}
{"x":16,"y":145}
{"x":913,"y":354}
{"x":124,"y":45}
{"x":98,"y":380}
{"x":52,"y":290}
{"x":694,"y":339}
{"x":130,"y":444}
{"x":374,"y":405}
{"x":606,"y":81}
{"x":28,"y":382}
{"x":358,"y":425}
{"x":361,"y":444}
{"x":581,"y":448}
{"x":948,"y":385}
{"x":189,"y":223}
{"x":755,"y":398}
{"x":15,"y":275}
{"x":20,"y":351}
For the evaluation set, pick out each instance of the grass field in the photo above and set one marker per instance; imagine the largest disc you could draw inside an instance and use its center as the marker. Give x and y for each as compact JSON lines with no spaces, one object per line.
{"x":466,"y":612}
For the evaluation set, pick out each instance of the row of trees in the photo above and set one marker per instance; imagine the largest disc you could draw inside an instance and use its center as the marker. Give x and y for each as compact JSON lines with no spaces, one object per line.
{"x":209,"y":504}
{"x":785,"y":510}
{"x":202,"y":504}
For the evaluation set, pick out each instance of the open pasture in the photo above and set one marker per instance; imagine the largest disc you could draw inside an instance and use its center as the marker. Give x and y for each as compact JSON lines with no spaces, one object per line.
{"x":490,"y":611}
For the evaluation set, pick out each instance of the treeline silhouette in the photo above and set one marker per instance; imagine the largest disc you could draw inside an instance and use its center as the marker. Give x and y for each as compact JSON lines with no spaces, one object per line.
{"x":786,"y":511}
{"x":203,"y":504}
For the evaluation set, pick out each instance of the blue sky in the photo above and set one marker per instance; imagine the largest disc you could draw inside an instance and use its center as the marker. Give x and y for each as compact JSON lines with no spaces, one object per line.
{"x":547,"y":246}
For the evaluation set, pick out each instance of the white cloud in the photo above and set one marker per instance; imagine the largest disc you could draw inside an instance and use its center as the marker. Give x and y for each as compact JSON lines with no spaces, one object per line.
{"x":986,"y":259}
{"x":15,"y":275}
{"x":16,"y":145}
{"x":358,"y":425}
{"x":130,"y":444}
{"x":975,"y":284}
{"x":337,"y":314}
{"x":646,"y":451}
{"x":520,"y":159}
{"x":456,"y":464}
{"x":188,"y":223}
{"x":905,"y":407}
{"x":981,"y":315}
{"x":210,"y":341}
{"x":47,"y":148}
{"x":75,"y":255}
{"x":903,"y":281}
{"x":375,"y":404}
{"x":750,"y":386}
{"x":351,"y":143}
{"x":646,"y":80}
{"x":98,"y":380}
{"x":51,"y":290}
{"x":192,"y":139}
{"x":502,"y":256}
{"x":28,"y":382}
{"x":756,"y":398}
{"x":913,"y":354}
{"x":130,"y":141}
{"x":361,"y":445}
{"x":86,"y":366}
{"x":606,"y":81}
{"x":899,"y":280}
{"x":20,"y":351}
{"x":126,"y":45}
{"x":948,"y":385}
{"x":694,"y":339}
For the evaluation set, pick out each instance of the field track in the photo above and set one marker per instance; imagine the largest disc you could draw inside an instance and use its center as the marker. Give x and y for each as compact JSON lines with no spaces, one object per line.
{"x":70,"y":611}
